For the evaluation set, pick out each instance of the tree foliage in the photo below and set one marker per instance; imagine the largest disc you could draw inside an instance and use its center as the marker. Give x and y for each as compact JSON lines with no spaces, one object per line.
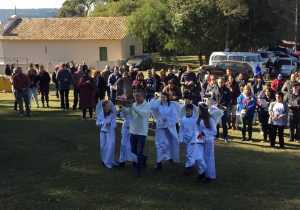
{"x":187,"y":26}
{"x":76,"y":8}
{"x":116,"y":8}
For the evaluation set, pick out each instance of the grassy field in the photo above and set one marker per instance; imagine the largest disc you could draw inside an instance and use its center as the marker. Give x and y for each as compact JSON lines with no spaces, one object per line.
{"x":51,"y":161}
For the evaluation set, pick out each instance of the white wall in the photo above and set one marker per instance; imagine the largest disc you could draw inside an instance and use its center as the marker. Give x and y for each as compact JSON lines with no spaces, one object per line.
{"x":129,"y":40}
{"x":43,"y":52}
{"x":1,"y":51}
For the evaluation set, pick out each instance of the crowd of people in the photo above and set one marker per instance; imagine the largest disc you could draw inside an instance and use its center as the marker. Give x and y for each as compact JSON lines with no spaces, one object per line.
{"x":276,"y":104}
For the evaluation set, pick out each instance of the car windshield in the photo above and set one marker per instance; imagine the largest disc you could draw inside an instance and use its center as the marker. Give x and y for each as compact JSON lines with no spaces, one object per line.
{"x":251,"y":59}
{"x":285,"y":62}
{"x":259,"y":58}
{"x":220,"y":58}
{"x":235,"y":58}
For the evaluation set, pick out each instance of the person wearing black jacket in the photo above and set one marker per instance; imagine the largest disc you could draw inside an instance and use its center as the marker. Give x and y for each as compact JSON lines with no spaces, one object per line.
{"x":294,"y":112}
{"x":44,"y":81}
{"x":263,"y":104}
{"x":223,"y":96}
{"x":101,"y":86}
{"x":188,"y":77}
{"x":172,"y":76}
{"x":157,"y":79}
{"x":8,"y":70}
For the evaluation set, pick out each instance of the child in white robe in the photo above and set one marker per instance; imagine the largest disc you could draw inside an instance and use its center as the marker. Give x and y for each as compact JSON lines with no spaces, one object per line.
{"x":166,"y":113}
{"x":205,"y":134}
{"x":125,"y":148}
{"x":187,"y":135}
{"x":106,"y":120}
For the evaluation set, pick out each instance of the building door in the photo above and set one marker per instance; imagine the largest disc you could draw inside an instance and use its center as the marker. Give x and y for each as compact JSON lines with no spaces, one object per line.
{"x":103,"y":53}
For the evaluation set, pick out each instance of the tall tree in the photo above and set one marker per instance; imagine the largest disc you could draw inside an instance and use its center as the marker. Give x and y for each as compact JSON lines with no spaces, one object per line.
{"x":151,"y":25}
{"x":116,"y":8}
{"x":76,"y":8}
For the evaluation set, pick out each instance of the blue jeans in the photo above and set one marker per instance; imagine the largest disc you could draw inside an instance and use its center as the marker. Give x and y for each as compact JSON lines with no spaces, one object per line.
{"x":34,"y":93}
{"x":113,"y":95}
{"x":224,"y":126}
{"x":20,"y":96}
{"x":137,"y":148}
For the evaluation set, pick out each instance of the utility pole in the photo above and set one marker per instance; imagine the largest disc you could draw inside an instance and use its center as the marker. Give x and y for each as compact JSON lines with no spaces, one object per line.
{"x":296,"y":24}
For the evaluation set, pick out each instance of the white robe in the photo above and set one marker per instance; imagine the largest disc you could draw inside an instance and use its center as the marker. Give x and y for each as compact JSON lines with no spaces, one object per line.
{"x":107,"y":138}
{"x":206,"y":163}
{"x":125,"y":148}
{"x":187,"y":136}
{"x":166,"y":137}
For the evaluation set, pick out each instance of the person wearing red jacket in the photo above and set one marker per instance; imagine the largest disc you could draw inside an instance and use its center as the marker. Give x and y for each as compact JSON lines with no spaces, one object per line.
{"x":278,"y":83}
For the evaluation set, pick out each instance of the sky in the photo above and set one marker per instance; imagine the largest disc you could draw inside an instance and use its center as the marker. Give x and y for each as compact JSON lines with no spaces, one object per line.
{"x":30,"y":4}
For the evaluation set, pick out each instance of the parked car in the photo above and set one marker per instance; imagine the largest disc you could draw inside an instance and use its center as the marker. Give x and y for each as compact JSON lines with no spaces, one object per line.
{"x":266,"y":55}
{"x":237,"y":67}
{"x":281,"y":55}
{"x":297,"y":62}
{"x":142,"y":62}
{"x":246,"y":57}
{"x":287,"y":66}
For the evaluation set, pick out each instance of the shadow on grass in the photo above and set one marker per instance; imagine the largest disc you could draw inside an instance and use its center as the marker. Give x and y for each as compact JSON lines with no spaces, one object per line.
{"x":51,"y":161}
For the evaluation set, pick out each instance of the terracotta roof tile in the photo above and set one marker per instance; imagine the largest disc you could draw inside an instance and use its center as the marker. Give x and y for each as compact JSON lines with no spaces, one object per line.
{"x":90,"y":28}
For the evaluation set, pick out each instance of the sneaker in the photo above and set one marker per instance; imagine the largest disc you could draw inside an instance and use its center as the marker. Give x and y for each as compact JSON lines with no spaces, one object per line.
{"x":115,"y":165}
{"x":226,"y":140}
{"x":21,"y":115}
{"x":250,"y":140}
{"x":243,"y":139}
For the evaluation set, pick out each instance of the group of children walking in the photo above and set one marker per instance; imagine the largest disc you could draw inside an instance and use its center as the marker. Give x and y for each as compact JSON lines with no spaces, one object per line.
{"x":198,"y":128}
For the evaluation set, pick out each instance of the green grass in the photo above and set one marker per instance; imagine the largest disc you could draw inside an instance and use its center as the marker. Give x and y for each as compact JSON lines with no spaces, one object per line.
{"x":51,"y":161}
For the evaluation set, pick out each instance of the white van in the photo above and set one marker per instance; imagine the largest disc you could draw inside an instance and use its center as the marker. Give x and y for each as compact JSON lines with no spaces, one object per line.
{"x":247,"y":57}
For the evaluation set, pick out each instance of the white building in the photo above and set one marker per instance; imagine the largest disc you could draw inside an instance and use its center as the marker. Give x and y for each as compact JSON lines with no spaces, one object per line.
{"x":97,"y":41}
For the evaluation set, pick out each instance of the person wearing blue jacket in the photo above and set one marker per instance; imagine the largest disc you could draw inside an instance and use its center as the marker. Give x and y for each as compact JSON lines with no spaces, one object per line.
{"x":247,"y":106}
{"x":64,"y":80}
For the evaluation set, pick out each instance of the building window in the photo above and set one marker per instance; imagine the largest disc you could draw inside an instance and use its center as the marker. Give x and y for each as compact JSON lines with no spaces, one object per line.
{"x":103,"y":53}
{"x":132,"y":50}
